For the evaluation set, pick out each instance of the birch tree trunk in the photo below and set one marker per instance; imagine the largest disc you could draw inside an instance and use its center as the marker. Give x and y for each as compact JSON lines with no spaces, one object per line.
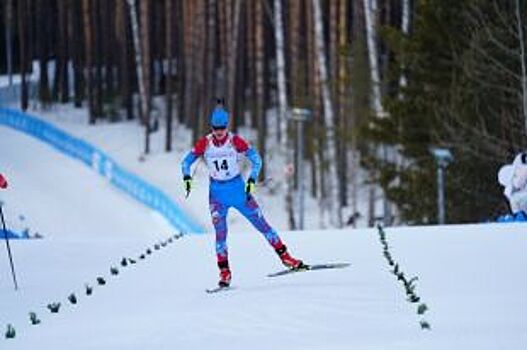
{"x":140,"y":66}
{"x":370,"y":8}
{"x":335,"y":212}
{"x":146,"y":61}
{"x":280,"y":72}
{"x":403,"y":82}
{"x":405,"y":28}
{"x":282,"y":108}
{"x":260,"y":93}
{"x":138,"y":55}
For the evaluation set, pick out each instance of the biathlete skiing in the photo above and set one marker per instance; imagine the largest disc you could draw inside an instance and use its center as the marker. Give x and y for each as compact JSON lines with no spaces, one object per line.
{"x":221,"y":150}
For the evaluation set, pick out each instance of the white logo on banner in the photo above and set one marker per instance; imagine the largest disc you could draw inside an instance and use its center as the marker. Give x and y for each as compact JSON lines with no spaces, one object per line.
{"x":108,"y":169}
{"x":95,"y":161}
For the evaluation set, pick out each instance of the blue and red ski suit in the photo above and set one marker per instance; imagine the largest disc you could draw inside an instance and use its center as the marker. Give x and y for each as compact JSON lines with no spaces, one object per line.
{"x":227,"y":187}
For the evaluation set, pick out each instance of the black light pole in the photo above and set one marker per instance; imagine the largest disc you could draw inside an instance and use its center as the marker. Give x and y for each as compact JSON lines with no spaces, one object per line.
{"x":8,"y":247}
{"x":300,"y":115}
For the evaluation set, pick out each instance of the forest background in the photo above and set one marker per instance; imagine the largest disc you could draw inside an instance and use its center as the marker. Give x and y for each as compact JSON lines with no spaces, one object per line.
{"x":386,"y":81}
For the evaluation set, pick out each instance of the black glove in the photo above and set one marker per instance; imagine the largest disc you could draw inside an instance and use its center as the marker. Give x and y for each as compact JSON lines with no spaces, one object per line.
{"x":187,"y":181}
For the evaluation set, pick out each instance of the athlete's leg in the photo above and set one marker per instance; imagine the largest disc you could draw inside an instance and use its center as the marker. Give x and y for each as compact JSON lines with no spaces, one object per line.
{"x":218,"y":212}
{"x":250,"y":209}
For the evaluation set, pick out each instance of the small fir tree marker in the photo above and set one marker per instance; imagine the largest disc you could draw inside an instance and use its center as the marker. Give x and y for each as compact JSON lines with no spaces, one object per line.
{"x":422,"y":308}
{"x":72,"y":298}
{"x":33,"y":318}
{"x":54,"y":307}
{"x":11,"y":332}
{"x":424,"y":324}
{"x":89,"y":289}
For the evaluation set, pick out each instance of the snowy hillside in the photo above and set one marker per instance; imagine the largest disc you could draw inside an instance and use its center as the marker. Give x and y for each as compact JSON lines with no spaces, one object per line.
{"x":470,"y":277}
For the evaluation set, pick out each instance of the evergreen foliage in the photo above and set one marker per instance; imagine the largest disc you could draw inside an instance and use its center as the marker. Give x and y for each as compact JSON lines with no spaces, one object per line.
{"x":463,"y":93}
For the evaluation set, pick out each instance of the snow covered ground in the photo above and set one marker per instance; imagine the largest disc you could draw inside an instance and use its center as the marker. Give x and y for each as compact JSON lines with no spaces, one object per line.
{"x":471,"y":277}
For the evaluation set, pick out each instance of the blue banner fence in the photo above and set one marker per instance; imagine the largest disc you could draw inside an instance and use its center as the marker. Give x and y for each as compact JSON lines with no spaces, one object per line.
{"x":94,"y":158}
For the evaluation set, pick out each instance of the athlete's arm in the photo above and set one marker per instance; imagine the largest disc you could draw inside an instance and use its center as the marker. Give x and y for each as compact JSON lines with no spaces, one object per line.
{"x":193,"y":155}
{"x":243,"y":146}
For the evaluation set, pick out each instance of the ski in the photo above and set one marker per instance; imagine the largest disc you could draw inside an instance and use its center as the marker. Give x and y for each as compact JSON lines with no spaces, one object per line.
{"x":310,"y":268}
{"x":218,"y":289}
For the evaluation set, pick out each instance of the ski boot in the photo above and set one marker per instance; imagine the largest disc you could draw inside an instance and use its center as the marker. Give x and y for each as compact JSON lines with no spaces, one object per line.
{"x":288,"y":260}
{"x":225,"y":274}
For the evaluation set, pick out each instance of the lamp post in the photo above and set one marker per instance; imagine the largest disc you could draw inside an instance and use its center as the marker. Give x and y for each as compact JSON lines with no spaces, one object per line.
{"x":300,"y":115}
{"x":443,"y":157}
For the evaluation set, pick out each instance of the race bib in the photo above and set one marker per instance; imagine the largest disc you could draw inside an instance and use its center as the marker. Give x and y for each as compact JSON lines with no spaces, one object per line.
{"x":222,"y":161}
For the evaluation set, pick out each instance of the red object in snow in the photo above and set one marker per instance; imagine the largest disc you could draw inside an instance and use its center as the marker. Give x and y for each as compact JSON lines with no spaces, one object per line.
{"x":3,"y":182}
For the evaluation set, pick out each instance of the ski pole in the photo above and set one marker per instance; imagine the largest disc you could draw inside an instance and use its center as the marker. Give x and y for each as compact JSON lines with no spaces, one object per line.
{"x":8,"y":248}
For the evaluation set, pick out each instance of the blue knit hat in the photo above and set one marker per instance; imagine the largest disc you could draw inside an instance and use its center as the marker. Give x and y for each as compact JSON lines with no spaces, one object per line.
{"x":219,"y":118}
